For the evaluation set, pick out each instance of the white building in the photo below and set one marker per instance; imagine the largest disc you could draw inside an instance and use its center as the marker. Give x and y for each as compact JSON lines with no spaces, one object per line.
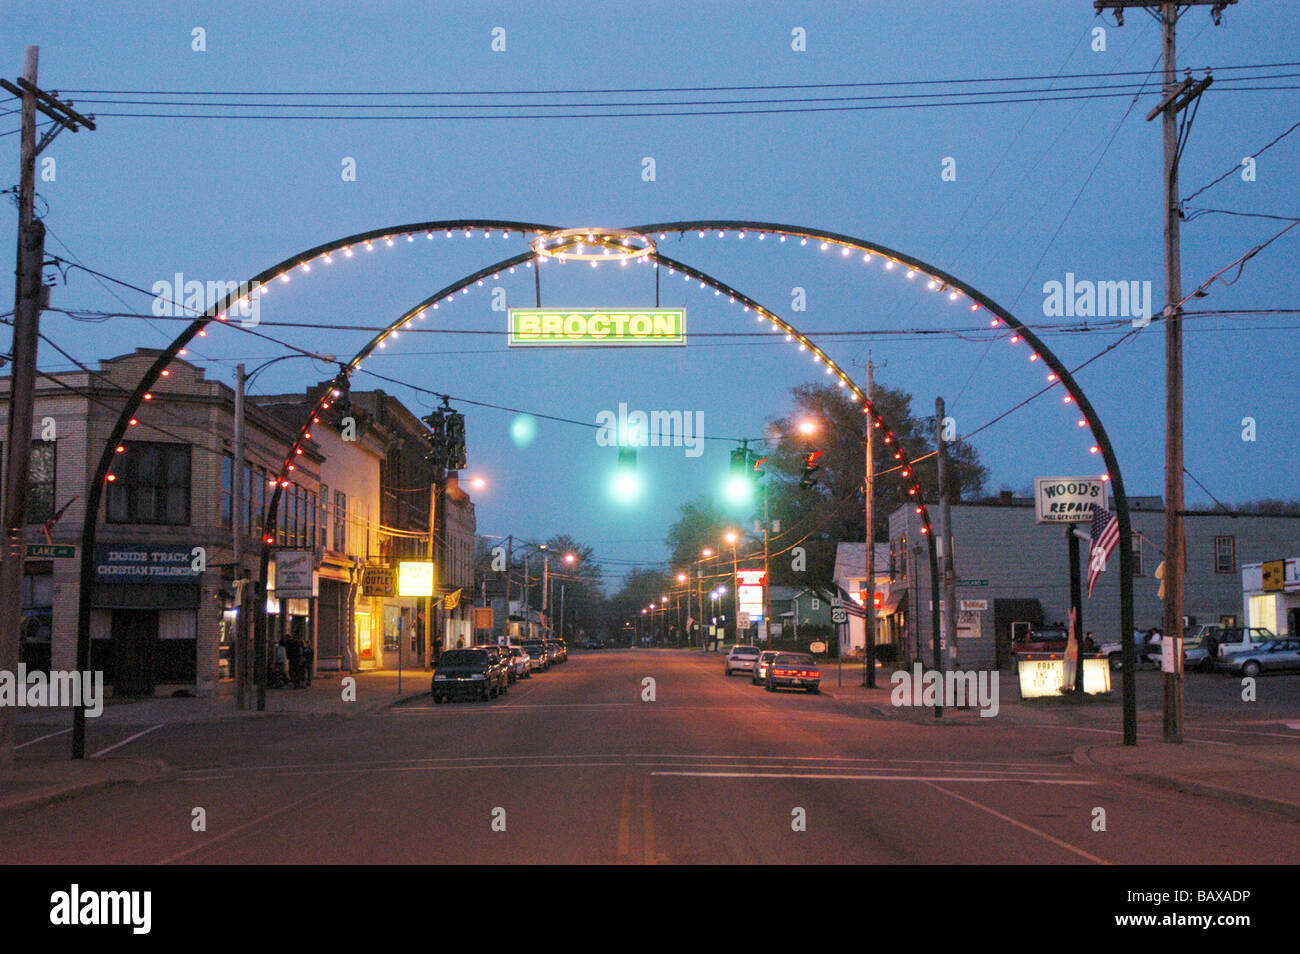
{"x":1272,"y":599}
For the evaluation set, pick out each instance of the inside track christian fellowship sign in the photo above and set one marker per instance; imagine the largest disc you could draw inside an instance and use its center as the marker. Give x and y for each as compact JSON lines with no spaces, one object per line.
{"x":531,"y":327}
{"x":1068,"y":499}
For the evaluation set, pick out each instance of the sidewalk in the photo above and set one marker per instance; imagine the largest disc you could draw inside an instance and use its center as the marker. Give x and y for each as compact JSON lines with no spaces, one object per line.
{"x":374,"y":690}
{"x":1260,"y":776}
{"x":33,"y":784}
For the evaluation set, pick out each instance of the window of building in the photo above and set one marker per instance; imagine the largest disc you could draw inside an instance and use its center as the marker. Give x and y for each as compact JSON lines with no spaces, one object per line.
{"x":902,"y":557}
{"x":249,"y":508}
{"x":1137,"y":556}
{"x":40,"y":482}
{"x":340,"y":521}
{"x":152,"y":486}
{"x":263,"y":485}
{"x":227,"y":489}
{"x":1225,"y":554}
{"x":323,"y":517}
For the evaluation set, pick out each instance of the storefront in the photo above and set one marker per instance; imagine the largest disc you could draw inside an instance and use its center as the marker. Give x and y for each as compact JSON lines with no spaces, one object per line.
{"x":1271,"y":595}
{"x":145,"y":608}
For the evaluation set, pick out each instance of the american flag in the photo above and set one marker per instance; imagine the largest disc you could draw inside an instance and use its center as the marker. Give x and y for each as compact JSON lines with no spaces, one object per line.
{"x":1104,"y":536}
{"x":48,"y":525}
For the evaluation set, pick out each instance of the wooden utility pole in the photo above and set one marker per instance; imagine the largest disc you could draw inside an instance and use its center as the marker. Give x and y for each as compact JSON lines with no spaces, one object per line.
{"x":28,"y":293}
{"x":945,"y":513}
{"x":869,"y":513}
{"x":1176,"y":98}
{"x":238,"y":506}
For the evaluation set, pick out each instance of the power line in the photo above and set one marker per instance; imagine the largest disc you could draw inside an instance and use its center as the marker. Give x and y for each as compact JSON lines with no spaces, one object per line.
{"x":660,"y":89}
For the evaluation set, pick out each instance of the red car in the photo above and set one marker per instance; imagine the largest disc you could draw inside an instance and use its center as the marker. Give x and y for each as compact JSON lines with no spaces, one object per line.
{"x":793,"y":671}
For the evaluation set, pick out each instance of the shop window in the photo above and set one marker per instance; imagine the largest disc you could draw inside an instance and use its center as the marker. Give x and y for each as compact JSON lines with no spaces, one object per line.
{"x":1225,"y":554}
{"x":40,"y":482}
{"x":152,"y":486}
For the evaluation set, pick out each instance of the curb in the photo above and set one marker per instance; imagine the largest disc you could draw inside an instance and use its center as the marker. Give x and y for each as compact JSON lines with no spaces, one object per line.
{"x":1263,"y":803}
{"x":61,"y":792}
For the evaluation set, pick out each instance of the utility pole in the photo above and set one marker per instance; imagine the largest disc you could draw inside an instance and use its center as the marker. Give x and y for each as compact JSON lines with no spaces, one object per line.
{"x":1176,"y":98}
{"x":945,"y":514}
{"x":28,"y":293}
{"x":237,"y":544}
{"x":869,"y":513}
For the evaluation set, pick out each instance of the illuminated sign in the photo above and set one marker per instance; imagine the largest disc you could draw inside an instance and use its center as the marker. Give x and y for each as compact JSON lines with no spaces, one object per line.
{"x":749,"y":592}
{"x":1044,"y":676}
{"x":606,"y":326}
{"x":414,"y":578}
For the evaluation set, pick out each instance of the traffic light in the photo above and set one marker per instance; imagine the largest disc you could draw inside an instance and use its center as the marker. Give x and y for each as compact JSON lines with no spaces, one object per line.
{"x":810,"y":467}
{"x":454,"y":429}
{"x":437,"y":441}
{"x":626,"y":486}
{"x":756,"y":465}
{"x":740,"y":482}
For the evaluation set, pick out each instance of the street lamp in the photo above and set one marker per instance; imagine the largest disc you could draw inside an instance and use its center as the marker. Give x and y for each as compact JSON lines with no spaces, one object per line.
{"x":250,"y":667}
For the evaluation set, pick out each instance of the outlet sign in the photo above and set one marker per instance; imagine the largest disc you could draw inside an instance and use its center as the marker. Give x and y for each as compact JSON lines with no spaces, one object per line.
{"x":531,"y":327}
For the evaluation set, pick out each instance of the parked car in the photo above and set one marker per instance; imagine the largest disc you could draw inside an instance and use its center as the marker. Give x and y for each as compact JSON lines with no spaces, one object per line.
{"x":476,"y":672}
{"x":538,"y":656}
{"x":562,"y":649}
{"x":1042,"y":639}
{"x":1234,"y":639}
{"x":740,"y":659}
{"x":520,"y":662}
{"x":593,"y":643}
{"x":1274,"y":655}
{"x":552,"y":652}
{"x":793,"y":670}
{"x":759,"y":673}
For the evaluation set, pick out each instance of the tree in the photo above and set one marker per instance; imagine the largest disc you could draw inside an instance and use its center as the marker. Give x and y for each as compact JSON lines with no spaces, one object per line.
{"x":816,"y":520}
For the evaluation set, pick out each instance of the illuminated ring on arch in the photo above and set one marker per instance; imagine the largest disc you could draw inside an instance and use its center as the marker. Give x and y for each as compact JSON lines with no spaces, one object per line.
{"x":593,"y":245}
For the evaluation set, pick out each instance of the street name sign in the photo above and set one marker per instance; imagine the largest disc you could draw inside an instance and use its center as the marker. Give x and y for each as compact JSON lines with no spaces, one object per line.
{"x":602,"y":327}
{"x":1068,"y":499}
{"x":51,"y":551}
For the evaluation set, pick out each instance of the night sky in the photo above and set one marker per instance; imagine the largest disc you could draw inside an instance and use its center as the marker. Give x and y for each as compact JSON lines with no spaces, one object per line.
{"x":1041,"y":189}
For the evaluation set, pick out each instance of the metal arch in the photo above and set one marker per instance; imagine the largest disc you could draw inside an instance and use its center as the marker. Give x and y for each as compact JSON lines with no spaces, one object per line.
{"x":878,"y":420}
{"x":1049,"y":357}
{"x":346,"y":370}
{"x":95,"y":492}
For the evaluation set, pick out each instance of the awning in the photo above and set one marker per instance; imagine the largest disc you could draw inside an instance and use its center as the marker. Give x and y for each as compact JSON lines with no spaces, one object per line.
{"x":890,"y":604}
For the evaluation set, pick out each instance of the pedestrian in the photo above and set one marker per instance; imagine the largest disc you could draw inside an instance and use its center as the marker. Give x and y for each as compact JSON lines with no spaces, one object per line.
{"x":308,"y":660}
{"x":1212,"y":646}
{"x":293,"y":653}
{"x":1089,"y":644}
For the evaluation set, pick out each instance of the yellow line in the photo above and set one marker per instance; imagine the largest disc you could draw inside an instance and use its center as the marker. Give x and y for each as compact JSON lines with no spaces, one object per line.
{"x":625,"y":823}
{"x":648,"y":824}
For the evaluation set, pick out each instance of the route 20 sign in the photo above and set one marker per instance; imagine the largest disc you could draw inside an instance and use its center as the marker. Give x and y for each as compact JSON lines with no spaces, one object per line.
{"x":1068,"y":499}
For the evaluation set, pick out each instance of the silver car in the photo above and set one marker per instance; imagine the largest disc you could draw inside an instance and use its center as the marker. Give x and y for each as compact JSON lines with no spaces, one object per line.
{"x":740,"y":659}
{"x":1275,"y":655}
{"x":759,"y":674}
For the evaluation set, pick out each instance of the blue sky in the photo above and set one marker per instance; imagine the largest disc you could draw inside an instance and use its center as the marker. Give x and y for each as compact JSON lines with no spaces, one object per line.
{"x":1041,"y":189}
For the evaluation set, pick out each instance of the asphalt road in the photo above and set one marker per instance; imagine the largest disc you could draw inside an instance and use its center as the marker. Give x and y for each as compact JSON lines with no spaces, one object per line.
{"x":574,"y":765}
